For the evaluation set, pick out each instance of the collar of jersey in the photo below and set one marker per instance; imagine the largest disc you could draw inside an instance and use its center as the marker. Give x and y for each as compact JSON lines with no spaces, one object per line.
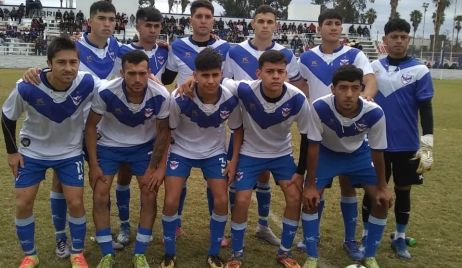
{"x":124,"y":88}
{"x":361,"y":104}
{"x":335,"y":50}
{"x":398,"y":61}
{"x":273,"y":100}
{"x":209,"y":42}
{"x":142,"y":48}
{"x":43,"y":77}
{"x":85,"y":35}
{"x":199,"y":97}
{"x":268,"y":48}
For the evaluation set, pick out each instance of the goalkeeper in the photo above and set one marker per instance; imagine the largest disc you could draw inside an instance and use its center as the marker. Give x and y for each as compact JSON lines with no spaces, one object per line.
{"x":405,"y":91}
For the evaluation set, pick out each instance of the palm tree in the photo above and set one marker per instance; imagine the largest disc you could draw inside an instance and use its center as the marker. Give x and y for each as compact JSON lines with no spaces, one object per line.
{"x":438,"y":16}
{"x":416,"y":19}
{"x":184,"y":4}
{"x":458,"y":27}
{"x":394,"y":6}
{"x":370,"y":16}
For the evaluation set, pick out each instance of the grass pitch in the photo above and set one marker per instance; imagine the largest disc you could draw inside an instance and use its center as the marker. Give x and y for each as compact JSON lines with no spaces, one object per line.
{"x":435,"y":220}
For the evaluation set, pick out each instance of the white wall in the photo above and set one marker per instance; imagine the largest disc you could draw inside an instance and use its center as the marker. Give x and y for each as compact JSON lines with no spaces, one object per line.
{"x":123,"y":6}
{"x":303,"y":10}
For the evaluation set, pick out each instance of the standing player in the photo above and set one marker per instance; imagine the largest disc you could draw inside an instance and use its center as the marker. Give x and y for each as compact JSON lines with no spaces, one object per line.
{"x":317,"y":67}
{"x":342,"y":120}
{"x":242,"y":64}
{"x":405,"y":89}
{"x":199,"y":134}
{"x":181,"y":60}
{"x":132,"y":112}
{"x":269,"y":108}
{"x":51,"y":137}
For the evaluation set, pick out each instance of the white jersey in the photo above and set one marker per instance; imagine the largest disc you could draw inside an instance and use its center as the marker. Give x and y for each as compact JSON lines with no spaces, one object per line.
{"x":318,"y":68}
{"x":242,"y":61}
{"x":340,"y":134}
{"x":157,"y":58}
{"x":99,"y":62}
{"x":183,"y":53}
{"x":198,"y":128}
{"x":54,"y":122}
{"x":126,"y":124}
{"x":267,"y":125}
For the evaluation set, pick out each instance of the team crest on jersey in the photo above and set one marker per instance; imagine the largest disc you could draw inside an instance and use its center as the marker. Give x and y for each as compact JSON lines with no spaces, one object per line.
{"x":118,"y":110}
{"x":89,"y":59}
{"x":187,"y":54}
{"x":344,"y":62}
{"x":76,"y":100}
{"x":286,"y":111}
{"x":40,"y":102}
{"x":406,"y":79}
{"x":245,"y":60}
{"x":25,"y":142}
{"x":160,"y":59}
{"x":148,"y":112}
{"x":224,"y":114}
{"x":239,"y":175}
{"x":174,"y":165}
{"x":112,"y":55}
{"x":314,"y":63}
{"x":360,"y":127}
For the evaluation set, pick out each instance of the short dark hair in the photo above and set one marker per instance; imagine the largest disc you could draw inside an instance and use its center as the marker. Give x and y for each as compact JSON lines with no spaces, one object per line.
{"x":135,"y":57}
{"x":348,"y":73}
{"x":399,"y":25}
{"x":264,"y":9}
{"x":148,"y":14}
{"x":272,"y":56}
{"x":208,"y":59}
{"x":329,"y":14}
{"x":201,"y":3}
{"x":102,"y":6}
{"x":59,"y":44}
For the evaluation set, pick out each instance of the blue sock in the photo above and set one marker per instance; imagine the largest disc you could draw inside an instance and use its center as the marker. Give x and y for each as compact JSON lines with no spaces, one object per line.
{"x":217,"y":230}
{"x":289,"y":229}
{"x":311,"y":233}
{"x":210,"y":200}
{"x":400,"y":231}
{"x":142,"y":240}
{"x":376,"y":227}
{"x":321,"y":207}
{"x":181,"y":204}
{"x":365,"y":229}
{"x":123,"y":204}
{"x":169,"y":224}
{"x":264,"y":202}
{"x":104,"y":239}
{"x":232,"y":197}
{"x":59,"y":213}
{"x":349,"y":207}
{"x":78,"y":230}
{"x":25,"y":229}
{"x":237,"y":236}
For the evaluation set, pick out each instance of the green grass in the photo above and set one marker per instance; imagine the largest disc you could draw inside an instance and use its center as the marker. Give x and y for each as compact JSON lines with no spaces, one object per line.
{"x":435,"y":221}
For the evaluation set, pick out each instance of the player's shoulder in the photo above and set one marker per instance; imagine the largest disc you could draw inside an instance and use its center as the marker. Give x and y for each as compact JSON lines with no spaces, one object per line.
{"x":110,"y":85}
{"x":309,"y":54}
{"x":158,"y":89}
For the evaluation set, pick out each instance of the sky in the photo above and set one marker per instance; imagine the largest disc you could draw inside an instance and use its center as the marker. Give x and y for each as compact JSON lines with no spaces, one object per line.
{"x":404,"y":8}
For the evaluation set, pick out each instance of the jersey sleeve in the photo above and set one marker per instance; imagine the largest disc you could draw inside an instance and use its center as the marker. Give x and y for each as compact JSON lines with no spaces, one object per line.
{"x":303,"y":69}
{"x":97,"y":104}
{"x":14,"y":105}
{"x":174,"y":117}
{"x":235,"y":118}
{"x":362,"y":62}
{"x":377,"y":135}
{"x":293,"y":70}
{"x":228,"y":67}
{"x":164,"y":111}
{"x":231,"y":85}
{"x":424,"y":85}
{"x":315,"y":131}
{"x":172,"y":61}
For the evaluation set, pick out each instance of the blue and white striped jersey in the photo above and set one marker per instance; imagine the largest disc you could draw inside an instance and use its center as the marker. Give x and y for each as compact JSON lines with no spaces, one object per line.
{"x":158,"y":57}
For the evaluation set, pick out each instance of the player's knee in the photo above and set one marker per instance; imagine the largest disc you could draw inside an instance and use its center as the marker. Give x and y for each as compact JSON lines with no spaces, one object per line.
{"x":241,"y":201}
{"x":293,"y":200}
{"x":100,"y":198}
{"x":24,"y":205}
{"x":171,"y":204}
{"x":220,"y":202}
{"x":148,"y":195}
{"x":75,"y":204}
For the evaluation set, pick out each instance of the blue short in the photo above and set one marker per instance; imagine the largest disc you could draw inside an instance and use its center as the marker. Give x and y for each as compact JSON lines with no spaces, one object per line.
{"x":69,"y":171}
{"x":137,"y":157}
{"x":357,"y":166}
{"x":212,"y":167}
{"x":250,"y":168}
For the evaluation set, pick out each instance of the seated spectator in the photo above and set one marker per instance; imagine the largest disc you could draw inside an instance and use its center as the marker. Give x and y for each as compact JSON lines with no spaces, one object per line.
{"x":359,"y":31}
{"x":366,"y":32}
{"x":352,"y":29}
{"x":312,"y":28}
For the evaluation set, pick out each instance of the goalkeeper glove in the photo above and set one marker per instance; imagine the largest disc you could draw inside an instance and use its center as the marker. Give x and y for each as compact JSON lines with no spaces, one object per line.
{"x":425,"y":154}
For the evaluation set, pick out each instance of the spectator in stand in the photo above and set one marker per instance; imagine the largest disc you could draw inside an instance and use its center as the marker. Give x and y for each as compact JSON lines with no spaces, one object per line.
{"x":366,"y":32}
{"x":221,"y":24}
{"x":79,"y":17}
{"x":6,"y":13}
{"x":20,"y":13}
{"x":359,"y":31}
{"x":1,"y":14}
{"x":13,"y":14}
{"x":284,"y":28}
{"x":59,"y":16}
{"x":312,"y":28}
{"x":352,"y":29}
{"x":296,"y":44}
{"x":284,"y":39}
{"x":132,"y":20}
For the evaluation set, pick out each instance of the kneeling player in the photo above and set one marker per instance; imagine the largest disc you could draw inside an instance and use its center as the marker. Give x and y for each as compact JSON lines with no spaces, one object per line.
{"x":342,"y":121}
{"x":132,"y":112}
{"x":199,"y":134}
{"x":51,"y":137}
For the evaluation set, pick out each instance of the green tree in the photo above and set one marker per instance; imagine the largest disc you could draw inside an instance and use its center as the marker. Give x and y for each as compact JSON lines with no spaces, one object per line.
{"x":146,"y":3}
{"x":458,"y":27}
{"x":416,"y":19}
{"x":370,"y":16}
{"x":235,"y":8}
{"x":170,"y":5}
{"x":393,"y":7}
{"x":438,"y":16}
{"x":184,"y":4}
{"x":351,"y":9}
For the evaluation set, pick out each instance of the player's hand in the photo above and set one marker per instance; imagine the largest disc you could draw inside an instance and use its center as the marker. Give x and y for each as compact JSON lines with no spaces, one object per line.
{"x":425,"y":154}
{"x":158,"y":177}
{"x":311,"y":197}
{"x":383,"y":197}
{"x":32,"y":76}
{"x":154,"y":78}
{"x":187,"y":87}
{"x":369,"y":98}
{"x":230,"y":171}
{"x":151,"y":180}
{"x":15,"y":161}
{"x":297,"y":180}
{"x":163,"y":43}
{"x":215,"y":36}
{"x":95,"y":174}
{"x":75,"y":36}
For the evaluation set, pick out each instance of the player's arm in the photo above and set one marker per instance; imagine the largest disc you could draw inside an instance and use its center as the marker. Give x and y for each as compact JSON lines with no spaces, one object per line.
{"x":383,"y":196}
{"x":168,"y":76}
{"x":32,"y":76}
{"x":155,"y":173}
{"x":91,"y":137}
{"x":302,"y":85}
{"x":425,"y":152}
{"x":9,"y":134}
{"x":370,"y":87}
